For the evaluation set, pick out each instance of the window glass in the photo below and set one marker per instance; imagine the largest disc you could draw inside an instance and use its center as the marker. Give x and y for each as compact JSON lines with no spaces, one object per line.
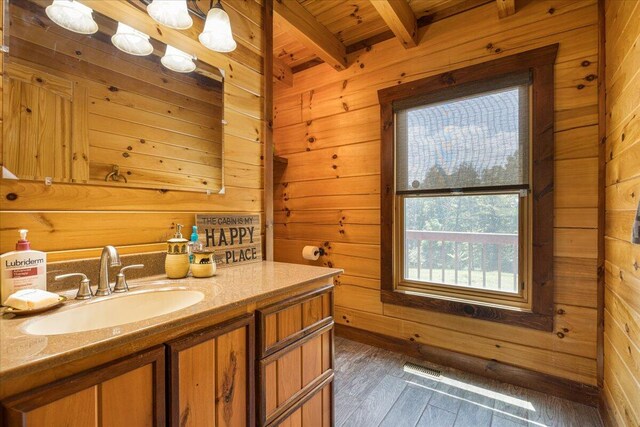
{"x":470,"y":241}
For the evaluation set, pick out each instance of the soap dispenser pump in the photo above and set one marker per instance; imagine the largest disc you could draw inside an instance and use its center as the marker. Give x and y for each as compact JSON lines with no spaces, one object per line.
{"x":23,"y":268}
{"x":176,"y":264}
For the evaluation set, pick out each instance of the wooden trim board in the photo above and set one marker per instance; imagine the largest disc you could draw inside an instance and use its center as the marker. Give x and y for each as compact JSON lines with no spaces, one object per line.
{"x":602,"y":137}
{"x":267,"y":114}
{"x":606,"y":416}
{"x":477,"y":311}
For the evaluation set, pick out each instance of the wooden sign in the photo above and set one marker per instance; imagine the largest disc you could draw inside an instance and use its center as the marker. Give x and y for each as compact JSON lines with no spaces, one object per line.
{"x":235,"y":238}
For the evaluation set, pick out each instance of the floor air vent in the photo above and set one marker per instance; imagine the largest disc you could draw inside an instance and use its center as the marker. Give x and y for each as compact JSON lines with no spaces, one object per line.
{"x":412,"y":368}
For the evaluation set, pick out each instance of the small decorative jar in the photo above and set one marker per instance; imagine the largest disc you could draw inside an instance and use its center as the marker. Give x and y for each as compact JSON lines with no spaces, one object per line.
{"x":176,"y":264}
{"x":204,"y":264}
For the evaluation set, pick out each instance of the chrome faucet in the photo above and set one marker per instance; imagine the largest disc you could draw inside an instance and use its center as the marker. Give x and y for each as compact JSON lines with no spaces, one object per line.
{"x":108,"y":258}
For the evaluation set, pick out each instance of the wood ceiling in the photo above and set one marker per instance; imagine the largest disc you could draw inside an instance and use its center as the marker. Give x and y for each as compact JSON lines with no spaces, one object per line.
{"x":309,"y":32}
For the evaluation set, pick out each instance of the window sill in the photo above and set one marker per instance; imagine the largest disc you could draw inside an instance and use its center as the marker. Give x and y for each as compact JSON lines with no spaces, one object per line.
{"x":509,"y":316}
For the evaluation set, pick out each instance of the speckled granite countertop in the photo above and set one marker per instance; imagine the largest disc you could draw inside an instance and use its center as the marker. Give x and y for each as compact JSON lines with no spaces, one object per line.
{"x":230,"y":288}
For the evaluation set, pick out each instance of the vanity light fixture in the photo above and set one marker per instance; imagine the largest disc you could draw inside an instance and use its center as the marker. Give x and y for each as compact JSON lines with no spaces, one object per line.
{"x":131,"y":41}
{"x":178,"y":61}
{"x":216,"y":34}
{"x":171,"y":13}
{"x":73,"y":16}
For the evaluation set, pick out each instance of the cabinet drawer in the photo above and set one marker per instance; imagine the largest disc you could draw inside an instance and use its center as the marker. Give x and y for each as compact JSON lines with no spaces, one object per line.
{"x":288,"y":376}
{"x":284,"y":322}
{"x":315,"y":410}
{"x":129,"y":391}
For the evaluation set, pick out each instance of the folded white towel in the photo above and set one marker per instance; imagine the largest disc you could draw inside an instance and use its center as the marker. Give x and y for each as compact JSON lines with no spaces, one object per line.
{"x":31,"y":299}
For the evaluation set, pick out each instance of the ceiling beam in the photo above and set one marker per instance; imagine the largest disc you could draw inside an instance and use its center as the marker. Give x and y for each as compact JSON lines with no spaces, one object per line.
{"x":506,"y":8}
{"x":399,"y":17}
{"x":423,"y":21}
{"x":311,"y":33}
{"x":282,"y":72}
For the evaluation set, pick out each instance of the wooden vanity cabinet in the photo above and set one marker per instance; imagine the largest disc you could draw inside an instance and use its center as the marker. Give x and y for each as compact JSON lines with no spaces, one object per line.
{"x":211,"y":376}
{"x":127,"y":392}
{"x":295,"y":343}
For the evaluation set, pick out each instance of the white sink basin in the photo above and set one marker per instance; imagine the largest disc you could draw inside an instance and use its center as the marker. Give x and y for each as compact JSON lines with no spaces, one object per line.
{"x":114,"y":311}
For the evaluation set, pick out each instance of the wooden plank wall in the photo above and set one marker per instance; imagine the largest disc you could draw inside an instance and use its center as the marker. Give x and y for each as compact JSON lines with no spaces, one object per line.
{"x":621,"y":391}
{"x":37,"y":136}
{"x":73,"y":221}
{"x":327,"y":125}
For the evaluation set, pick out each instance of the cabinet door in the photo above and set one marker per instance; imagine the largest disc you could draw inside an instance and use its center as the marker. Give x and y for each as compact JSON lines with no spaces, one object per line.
{"x":129,"y":392}
{"x":211,"y":379}
{"x":315,"y":410}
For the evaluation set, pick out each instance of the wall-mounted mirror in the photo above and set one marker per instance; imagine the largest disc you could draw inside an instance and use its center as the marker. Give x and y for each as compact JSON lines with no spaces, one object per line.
{"x":78,"y":109}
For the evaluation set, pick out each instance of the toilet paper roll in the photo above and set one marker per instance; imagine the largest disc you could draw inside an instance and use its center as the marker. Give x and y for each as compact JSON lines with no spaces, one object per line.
{"x":312,"y":253}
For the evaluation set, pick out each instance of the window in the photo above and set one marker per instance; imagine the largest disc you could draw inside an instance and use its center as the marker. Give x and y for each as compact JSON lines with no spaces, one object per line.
{"x":462,"y":185}
{"x":467,"y":206}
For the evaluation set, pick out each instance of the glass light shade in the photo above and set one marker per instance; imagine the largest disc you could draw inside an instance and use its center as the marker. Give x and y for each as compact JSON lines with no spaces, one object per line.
{"x":131,"y":41}
{"x":73,"y":16}
{"x":177,"y":60}
{"x":216,"y":34}
{"x":171,"y":13}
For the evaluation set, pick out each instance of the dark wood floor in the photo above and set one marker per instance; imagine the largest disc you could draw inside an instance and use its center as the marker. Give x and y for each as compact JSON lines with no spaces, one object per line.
{"x":373,"y":390}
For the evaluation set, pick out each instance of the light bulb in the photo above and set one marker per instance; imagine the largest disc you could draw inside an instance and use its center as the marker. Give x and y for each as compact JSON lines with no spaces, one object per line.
{"x":216,"y":34}
{"x":177,"y":60}
{"x":73,"y":16}
{"x":171,"y":13}
{"x":131,"y":41}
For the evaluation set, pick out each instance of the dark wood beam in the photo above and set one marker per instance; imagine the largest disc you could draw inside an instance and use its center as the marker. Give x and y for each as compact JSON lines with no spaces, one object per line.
{"x":267,"y":118}
{"x":282,"y":72}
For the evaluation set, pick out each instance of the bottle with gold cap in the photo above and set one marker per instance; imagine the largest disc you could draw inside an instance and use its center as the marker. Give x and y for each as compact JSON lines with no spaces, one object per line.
{"x":176,"y":264}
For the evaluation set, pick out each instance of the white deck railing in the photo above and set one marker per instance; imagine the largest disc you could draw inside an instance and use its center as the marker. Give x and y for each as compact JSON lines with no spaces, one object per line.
{"x":442,"y":252}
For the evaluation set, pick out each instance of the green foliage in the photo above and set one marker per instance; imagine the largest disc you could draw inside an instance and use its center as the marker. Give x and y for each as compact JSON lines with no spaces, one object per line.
{"x":465,"y":213}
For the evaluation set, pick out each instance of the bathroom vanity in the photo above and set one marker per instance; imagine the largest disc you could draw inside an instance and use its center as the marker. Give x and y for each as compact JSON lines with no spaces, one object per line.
{"x":256,"y":349}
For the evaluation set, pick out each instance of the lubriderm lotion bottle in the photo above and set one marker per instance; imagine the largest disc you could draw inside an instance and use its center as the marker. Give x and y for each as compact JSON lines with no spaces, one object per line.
{"x":23,"y":268}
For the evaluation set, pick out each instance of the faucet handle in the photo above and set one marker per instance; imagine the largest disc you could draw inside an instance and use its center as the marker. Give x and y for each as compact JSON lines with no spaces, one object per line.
{"x":121,"y":280}
{"x":84,"y":287}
